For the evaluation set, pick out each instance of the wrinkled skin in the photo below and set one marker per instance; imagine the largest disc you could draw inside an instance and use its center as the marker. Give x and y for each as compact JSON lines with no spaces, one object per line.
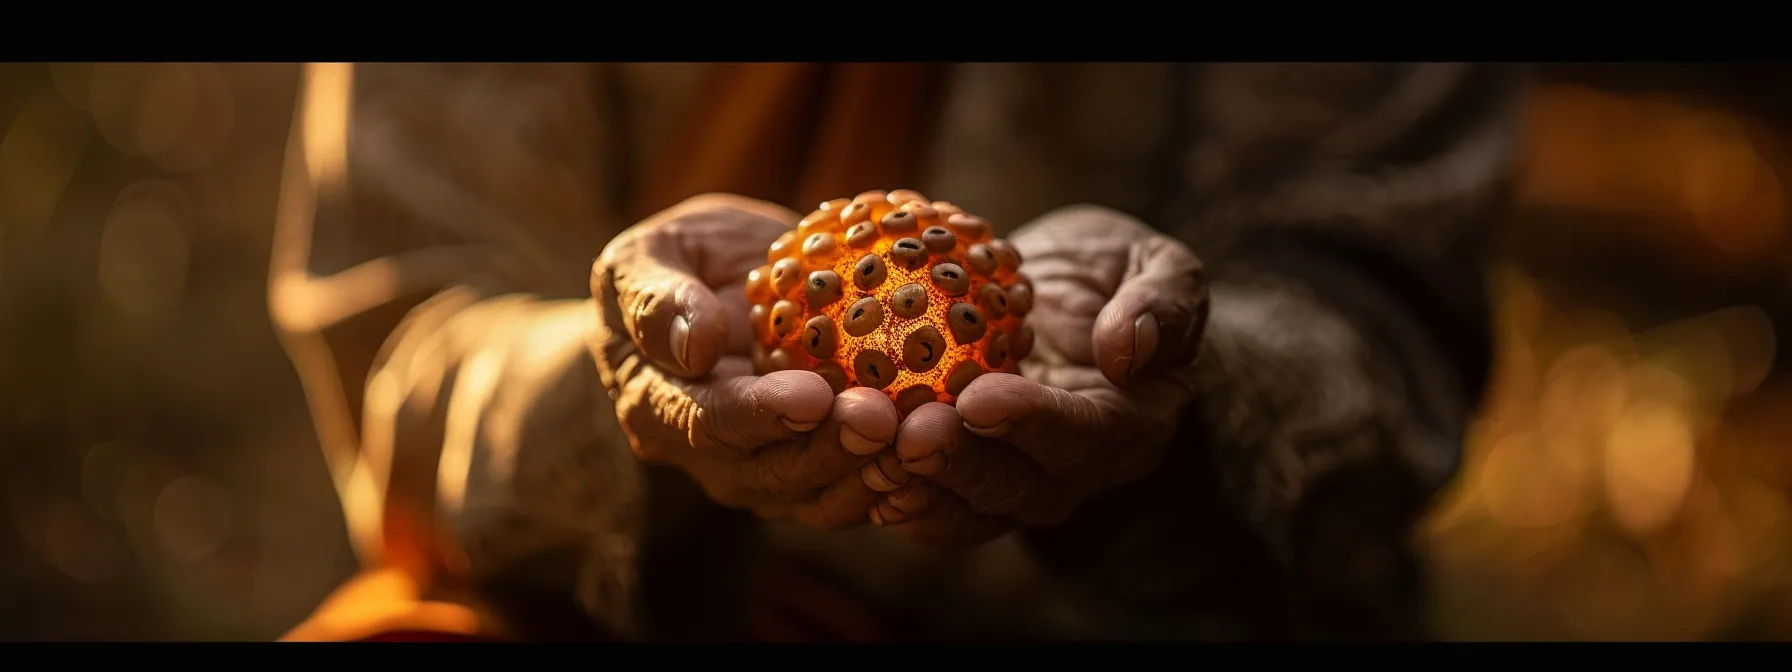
{"x":673,"y":350}
{"x":1119,"y":312}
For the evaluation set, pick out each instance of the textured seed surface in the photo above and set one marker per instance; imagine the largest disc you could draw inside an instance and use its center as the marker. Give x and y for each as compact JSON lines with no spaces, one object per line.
{"x":891,"y":291}
{"x":910,"y":301}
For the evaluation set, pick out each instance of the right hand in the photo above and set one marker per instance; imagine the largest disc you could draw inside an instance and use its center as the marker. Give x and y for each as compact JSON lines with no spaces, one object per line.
{"x":673,"y":351}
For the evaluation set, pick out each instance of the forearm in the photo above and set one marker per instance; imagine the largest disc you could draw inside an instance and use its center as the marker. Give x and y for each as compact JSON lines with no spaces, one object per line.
{"x":1331,"y":417}
{"x":1349,"y":337}
{"x":488,"y":452}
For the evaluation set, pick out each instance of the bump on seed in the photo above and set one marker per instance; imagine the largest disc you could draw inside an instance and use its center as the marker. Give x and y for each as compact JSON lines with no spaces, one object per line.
{"x":864,"y":316}
{"x":909,"y":301}
{"x":951,"y":279}
{"x":966,"y":324}
{"x":869,"y":273}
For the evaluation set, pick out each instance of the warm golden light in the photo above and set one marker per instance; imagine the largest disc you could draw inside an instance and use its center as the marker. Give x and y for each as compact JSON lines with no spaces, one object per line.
{"x":890,"y":291}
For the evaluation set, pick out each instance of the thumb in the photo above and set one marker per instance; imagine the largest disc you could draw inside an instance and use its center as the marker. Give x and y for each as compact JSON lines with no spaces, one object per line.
{"x":1156,"y":317}
{"x":648,"y":292}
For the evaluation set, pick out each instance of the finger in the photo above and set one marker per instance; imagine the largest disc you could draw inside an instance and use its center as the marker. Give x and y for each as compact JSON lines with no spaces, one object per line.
{"x":844,"y":504}
{"x":647,"y":287}
{"x":884,"y":473}
{"x":992,"y":477}
{"x":927,"y":438}
{"x":738,"y":312}
{"x":1054,"y":427}
{"x":1076,"y":257}
{"x":931,"y":515}
{"x":1157,"y":315}
{"x":727,"y":233}
{"x":741,"y":414}
{"x":861,"y":423}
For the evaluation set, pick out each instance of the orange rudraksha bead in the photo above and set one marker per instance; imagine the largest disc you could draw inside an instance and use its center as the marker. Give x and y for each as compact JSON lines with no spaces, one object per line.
{"x":891,"y":291}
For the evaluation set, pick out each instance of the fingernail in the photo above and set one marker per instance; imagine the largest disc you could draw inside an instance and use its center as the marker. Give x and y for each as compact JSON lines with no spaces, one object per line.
{"x":995,"y":432}
{"x":798,"y":426}
{"x":930,"y":464}
{"x":681,"y":341}
{"x":858,"y":445}
{"x":1144,"y":341}
{"x":877,"y":518}
{"x":876,"y":479}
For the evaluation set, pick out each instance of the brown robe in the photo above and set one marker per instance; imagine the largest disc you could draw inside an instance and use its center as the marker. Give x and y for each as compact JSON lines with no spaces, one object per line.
{"x":439,"y":221}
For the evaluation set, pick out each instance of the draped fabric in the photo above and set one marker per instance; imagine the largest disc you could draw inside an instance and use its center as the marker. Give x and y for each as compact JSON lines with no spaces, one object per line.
{"x":798,"y":134}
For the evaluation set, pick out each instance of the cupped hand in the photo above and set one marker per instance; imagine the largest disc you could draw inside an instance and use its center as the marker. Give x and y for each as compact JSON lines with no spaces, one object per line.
{"x":672,"y":348}
{"x":1119,"y":312}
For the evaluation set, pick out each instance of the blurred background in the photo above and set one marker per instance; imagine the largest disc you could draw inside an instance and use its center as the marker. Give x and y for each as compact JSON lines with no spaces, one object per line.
{"x":1628,"y":477}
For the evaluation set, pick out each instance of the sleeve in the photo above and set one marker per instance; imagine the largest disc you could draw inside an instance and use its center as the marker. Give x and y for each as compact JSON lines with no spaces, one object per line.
{"x":1348,"y":342}
{"x":429,"y":279}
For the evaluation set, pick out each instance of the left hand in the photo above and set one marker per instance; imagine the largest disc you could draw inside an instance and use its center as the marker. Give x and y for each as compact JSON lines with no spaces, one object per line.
{"x":1119,"y":312}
